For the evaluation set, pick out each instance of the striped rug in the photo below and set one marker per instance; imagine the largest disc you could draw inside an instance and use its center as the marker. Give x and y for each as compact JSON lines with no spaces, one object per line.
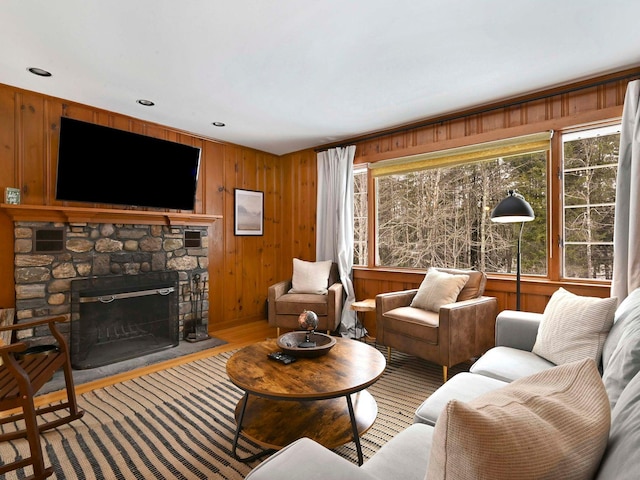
{"x":179,"y":424}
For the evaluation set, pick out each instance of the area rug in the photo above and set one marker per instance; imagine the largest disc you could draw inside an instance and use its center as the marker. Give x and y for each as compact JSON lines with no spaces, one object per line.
{"x":179,"y":423}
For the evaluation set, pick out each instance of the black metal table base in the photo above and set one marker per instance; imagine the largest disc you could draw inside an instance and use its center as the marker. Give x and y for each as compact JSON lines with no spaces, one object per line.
{"x":245,"y":398}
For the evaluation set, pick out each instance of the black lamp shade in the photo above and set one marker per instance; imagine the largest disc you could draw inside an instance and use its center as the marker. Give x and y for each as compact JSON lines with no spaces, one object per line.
{"x":512,"y":209}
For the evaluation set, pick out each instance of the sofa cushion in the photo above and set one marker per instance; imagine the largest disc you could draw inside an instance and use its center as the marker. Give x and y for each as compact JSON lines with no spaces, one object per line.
{"x":464,"y":386}
{"x":310,"y":277}
{"x":624,"y":363}
{"x":621,"y":460}
{"x":554,"y":424}
{"x":305,"y":459}
{"x":509,"y":364}
{"x":437,"y":289}
{"x":404,"y":457}
{"x":574,"y":327}
{"x":627,"y":313}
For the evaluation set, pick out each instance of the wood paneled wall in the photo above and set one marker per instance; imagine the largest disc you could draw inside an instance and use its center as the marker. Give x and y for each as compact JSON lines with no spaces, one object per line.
{"x":241,"y":267}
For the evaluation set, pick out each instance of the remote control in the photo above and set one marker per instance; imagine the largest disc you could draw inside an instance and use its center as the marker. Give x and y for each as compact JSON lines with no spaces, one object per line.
{"x":282,"y":357}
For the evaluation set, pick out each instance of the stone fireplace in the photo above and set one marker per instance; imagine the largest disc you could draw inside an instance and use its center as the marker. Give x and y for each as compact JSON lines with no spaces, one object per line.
{"x":50,"y":256}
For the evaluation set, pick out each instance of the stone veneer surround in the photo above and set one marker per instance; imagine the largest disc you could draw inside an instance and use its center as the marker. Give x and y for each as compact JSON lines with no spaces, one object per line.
{"x":97,"y":249}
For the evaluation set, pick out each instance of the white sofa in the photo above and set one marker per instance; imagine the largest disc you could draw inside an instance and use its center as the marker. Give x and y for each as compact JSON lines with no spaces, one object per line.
{"x":502,"y":368}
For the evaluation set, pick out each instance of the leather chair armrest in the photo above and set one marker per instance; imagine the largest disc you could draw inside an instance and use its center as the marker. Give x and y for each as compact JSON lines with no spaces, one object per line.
{"x":467,"y":328}
{"x":279,"y":289}
{"x":273,"y":293}
{"x":517,"y":329}
{"x":391,"y":300}
{"x":335,"y":301}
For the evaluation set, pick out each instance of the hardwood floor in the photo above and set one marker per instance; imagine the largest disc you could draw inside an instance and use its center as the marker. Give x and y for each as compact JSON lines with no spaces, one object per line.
{"x":236,"y":337}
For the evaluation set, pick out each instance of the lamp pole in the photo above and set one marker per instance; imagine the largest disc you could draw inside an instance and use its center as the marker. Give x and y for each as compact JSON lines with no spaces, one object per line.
{"x":518,"y":268}
{"x":514,"y":209}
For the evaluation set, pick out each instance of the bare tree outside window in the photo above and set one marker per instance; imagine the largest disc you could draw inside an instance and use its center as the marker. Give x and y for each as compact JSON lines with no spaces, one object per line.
{"x":360,"y":216}
{"x":589,"y":173}
{"x":440,"y":217}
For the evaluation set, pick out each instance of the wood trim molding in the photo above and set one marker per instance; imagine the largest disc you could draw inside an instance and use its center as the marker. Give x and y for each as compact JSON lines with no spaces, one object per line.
{"x":49,"y":213}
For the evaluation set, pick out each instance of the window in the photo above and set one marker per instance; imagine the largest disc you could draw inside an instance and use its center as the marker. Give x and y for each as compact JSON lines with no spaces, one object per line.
{"x":590,"y":165}
{"x":360,"y":216}
{"x":441,"y":216}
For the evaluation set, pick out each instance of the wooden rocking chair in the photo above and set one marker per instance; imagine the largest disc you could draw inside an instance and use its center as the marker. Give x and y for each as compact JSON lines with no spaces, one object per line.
{"x":23,"y":372}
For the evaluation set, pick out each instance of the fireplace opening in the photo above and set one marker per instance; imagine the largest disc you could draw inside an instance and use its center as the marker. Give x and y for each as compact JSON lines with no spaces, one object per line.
{"x":121,"y":317}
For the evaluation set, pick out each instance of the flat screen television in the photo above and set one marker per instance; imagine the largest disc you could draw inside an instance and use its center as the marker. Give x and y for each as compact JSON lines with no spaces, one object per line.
{"x":104,"y":165}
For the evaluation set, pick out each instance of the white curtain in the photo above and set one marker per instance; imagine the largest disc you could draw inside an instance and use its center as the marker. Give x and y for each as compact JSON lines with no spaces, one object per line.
{"x":626,"y":236}
{"x":334,"y":227}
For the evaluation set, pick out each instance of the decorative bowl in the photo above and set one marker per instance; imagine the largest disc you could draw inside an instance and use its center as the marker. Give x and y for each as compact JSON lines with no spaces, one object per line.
{"x":289,"y":343}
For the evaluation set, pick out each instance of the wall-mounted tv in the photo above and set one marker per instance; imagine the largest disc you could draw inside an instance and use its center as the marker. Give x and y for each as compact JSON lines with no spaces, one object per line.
{"x":104,"y":165}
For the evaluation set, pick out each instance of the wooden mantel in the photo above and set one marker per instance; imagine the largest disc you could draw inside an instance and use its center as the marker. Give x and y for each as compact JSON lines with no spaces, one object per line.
{"x":59,"y":213}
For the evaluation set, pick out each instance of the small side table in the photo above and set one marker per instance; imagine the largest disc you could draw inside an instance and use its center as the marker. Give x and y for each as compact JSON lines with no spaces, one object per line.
{"x":368,"y":305}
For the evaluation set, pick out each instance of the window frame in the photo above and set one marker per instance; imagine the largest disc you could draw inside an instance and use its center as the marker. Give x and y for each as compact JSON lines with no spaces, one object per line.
{"x":555,"y":205}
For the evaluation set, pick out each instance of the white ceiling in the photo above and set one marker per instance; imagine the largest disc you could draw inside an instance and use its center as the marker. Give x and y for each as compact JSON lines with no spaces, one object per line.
{"x":285,"y":75}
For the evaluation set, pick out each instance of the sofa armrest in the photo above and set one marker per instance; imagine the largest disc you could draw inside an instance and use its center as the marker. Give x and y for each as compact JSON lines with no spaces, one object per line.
{"x":517,"y":329}
{"x":305,"y":459}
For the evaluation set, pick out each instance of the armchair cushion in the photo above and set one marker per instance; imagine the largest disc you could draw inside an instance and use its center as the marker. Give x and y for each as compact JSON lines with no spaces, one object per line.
{"x":310,"y":277}
{"x":438,"y":288}
{"x":411,"y":322}
{"x":574,"y":327}
{"x":295,"y":303}
{"x":554,"y":424}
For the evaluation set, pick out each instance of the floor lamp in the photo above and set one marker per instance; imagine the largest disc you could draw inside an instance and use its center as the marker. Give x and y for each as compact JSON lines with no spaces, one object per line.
{"x":514,"y":209}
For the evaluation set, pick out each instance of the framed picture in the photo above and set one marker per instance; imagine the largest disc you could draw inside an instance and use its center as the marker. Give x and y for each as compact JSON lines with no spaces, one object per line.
{"x":248,"y":212}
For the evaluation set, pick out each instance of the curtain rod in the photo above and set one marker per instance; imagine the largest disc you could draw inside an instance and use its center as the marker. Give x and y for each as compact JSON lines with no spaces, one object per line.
{"x":457,"y":116}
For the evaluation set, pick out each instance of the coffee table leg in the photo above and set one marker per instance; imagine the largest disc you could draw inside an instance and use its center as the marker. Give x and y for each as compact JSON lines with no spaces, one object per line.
{"x":354,"y":428}
{"x":244,"y":400}
{"x":256,"y":456}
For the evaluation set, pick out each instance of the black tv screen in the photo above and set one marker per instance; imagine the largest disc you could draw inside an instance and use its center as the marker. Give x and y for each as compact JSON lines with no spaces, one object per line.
{"x":99,"y":164}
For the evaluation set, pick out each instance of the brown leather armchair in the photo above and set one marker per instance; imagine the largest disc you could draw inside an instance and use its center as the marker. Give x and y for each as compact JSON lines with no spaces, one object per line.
{"x":460,"y":331}
{"x":285,"y":308}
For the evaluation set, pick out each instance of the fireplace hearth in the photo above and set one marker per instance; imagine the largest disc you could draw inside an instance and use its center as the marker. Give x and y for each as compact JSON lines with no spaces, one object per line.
{"x":119,"y":317}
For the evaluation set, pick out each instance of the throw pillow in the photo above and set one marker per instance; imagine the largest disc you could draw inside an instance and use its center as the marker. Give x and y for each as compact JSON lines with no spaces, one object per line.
{"x":627,"y":313}
{"x":310,"y":277}
{"x":437,"y":289}
{"x":574,"y":327}
{"x":621,"y":459}
{"x":624,"y":363}
{"x":554,"y":424}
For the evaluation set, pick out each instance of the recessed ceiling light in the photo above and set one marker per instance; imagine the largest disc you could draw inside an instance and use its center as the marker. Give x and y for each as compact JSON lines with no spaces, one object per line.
{"x":218,"y":124}
{"x":39,"y":71}
{"x":146,"y":103}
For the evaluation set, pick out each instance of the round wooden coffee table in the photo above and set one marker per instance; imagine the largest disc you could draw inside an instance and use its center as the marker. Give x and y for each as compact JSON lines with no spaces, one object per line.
{"x":322,"y":398}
